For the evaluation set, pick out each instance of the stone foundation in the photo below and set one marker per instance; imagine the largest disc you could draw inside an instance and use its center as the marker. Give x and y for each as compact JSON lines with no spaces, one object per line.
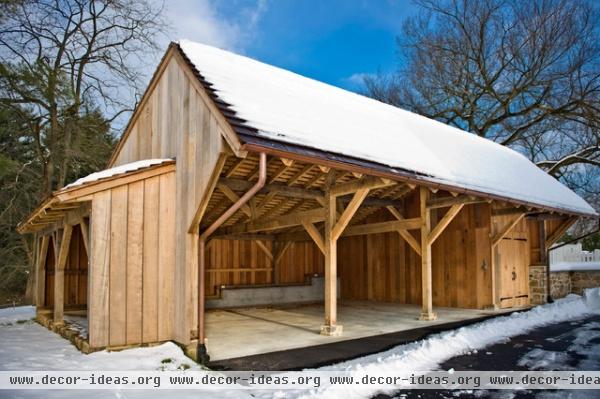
{"x":537,"y":284}
{"x":581,"y":280}
{"x":561,"y":283}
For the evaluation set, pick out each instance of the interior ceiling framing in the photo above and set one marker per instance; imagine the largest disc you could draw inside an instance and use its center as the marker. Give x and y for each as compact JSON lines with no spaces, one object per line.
{"x":296,"y":175}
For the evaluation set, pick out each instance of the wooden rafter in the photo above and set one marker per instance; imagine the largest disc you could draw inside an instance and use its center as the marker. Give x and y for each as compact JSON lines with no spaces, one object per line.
{"x":233,"y":197}
{"x":284,"y":167}
{"x":276,"y":188}
{"x":314,"y":179}
{"x":238,"y":162}
{"x":292,"y":180}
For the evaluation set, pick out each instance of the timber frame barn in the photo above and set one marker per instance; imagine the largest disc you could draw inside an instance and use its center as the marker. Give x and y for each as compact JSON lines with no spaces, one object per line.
{"x":220,"y":195}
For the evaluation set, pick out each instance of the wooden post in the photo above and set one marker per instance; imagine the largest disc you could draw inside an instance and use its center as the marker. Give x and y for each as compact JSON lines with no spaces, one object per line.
{"x":544,"y":259}
{"x":426,"y":283}
{"x":41,"y":272}
{"x":330,"y":245}
{"x":59,"y":275}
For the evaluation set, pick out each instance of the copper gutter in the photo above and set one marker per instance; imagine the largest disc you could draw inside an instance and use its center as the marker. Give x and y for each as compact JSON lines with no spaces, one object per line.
{"x":201,"y":353}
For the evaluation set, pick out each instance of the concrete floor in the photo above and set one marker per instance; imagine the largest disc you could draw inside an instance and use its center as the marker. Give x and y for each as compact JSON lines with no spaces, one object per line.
{"x":241,"y":332}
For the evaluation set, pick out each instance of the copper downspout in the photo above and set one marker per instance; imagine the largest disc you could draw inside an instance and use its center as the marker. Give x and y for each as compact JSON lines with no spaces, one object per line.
{"x":201,"y":353}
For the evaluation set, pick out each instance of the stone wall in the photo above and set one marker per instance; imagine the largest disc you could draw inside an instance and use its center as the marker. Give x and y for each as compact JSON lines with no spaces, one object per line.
{"x":584,"y":279}
{"x":537,"y":284}
{"x":561,"y":283}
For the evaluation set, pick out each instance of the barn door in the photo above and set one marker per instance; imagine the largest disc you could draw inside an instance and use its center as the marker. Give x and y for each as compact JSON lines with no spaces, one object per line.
{"x":514,"y":274}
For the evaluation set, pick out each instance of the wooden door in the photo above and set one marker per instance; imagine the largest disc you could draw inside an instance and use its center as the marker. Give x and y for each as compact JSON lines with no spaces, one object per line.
{"x":512,"y":255}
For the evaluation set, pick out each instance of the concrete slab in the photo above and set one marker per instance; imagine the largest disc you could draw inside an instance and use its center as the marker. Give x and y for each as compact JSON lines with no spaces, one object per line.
{"x":240,"y":332}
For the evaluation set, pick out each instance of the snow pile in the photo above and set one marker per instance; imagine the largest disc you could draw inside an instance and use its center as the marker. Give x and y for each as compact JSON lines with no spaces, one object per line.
{"x":428,"y":354}
{"x":117,"y":170}
{"x":290,"y":108}
{"x":9,"y":316}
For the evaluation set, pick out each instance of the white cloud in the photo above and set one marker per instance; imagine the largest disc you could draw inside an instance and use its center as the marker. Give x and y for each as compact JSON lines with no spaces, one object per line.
{"x":357,"y":79}
{"x":200,"y":21}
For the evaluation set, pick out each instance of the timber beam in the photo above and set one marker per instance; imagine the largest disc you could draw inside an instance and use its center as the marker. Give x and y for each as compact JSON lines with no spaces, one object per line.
{"x":409,"y":238}
{"x":316,"y":235}
{"x":382,"y":227}
{"x":450,"y":201}
{"x":275,"y":188}
{"x":442,"y":224}
{"x":560,"y":231}
{"x":279,"y":222}
{"x":227,"y":186}
{"x":353,"y":186}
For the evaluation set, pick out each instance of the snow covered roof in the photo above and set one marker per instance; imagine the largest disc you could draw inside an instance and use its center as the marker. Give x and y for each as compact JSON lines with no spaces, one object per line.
{"x":289,"y":108}
{"x":117,"y":170}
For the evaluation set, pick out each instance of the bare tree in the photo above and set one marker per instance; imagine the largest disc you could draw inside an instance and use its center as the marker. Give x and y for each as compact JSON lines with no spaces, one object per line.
{"x":525,"y":74}
{"x":68,"y":68}
{"x":61,"y":60}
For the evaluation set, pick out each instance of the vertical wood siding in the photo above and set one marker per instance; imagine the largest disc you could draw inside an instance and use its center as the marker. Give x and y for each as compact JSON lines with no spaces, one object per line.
{"x":175,"y":122}
{"x":132,"y":264}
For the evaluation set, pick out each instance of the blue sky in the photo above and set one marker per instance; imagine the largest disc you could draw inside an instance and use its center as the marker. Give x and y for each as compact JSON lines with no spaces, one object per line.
{"x":334,"y":41}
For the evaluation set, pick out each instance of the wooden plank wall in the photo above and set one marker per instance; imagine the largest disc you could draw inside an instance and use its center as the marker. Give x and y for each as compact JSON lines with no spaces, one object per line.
{"x":76,"y":271}
{"x":175,"y":122}
{"x":382,"y":267}
{"x":133,"y":263}
{"x":224,"y":257}
{"x":534,"y":237}
{"x":49,"y":281}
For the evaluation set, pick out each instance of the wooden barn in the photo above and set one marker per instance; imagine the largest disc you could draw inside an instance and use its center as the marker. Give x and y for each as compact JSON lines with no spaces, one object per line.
{"x":248,"y":210}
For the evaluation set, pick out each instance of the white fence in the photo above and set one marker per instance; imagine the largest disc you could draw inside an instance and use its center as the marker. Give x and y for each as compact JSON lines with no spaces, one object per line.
{"x":573,"y":257}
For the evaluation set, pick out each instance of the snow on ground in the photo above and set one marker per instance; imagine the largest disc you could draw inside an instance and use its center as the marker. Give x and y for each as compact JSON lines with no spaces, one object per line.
{"x":19,"y":314}
{"x":29,"y":346}
{"x":428,"y":354}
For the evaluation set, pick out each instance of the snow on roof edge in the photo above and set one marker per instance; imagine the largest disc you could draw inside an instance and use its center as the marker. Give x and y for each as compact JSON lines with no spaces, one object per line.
{"x":229,"y":74}
{"x":118,"y":170}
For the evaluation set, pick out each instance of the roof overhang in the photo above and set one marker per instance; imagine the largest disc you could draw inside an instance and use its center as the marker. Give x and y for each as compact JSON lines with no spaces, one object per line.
{"x":54,"y":208}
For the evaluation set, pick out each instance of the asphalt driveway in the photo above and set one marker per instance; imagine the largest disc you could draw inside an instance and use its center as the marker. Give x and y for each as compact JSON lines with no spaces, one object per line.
{"x":572,"y":345}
